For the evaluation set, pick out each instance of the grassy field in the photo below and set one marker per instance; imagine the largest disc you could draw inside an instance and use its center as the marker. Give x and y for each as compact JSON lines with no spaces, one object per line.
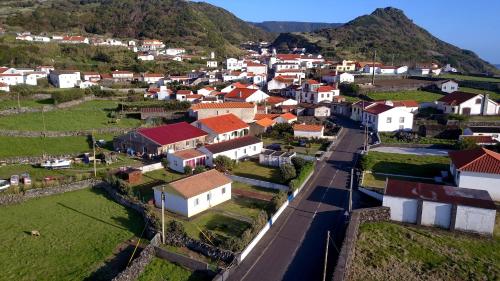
{"x":296,"y":148}
{"x":252,"y":188}
{"x":377,"y":182}
{"x":389,"y":138}
{"x":405,"y":164}
{"x":160,"y":269}
{"x":493,"y":95}
{"x":252,"y":169}
{"x":79,"y":230}
{"x":21,"y":146}
{"x":469,"y":78}
{"x":7,"y":104}
{"x":389,"y":251}
{"x":419,"y":96}
{"x":152,"y":179}
{"x":89,"y":115}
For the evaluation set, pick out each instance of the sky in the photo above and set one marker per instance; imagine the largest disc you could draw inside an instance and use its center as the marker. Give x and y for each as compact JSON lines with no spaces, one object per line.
{"x":468,"y":24}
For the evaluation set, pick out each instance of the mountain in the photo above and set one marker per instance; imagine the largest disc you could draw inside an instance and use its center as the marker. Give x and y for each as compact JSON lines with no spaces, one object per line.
{"x":293,"y":26}
{"x":497,"y":66}
{"x":394,"y":37}
{"x":200,"y":26}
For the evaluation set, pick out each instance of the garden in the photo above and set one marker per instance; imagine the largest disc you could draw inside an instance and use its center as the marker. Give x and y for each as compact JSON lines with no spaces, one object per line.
{"x":160,"y":269}
{"x":79,"y":232}
{"x":416,"y":95}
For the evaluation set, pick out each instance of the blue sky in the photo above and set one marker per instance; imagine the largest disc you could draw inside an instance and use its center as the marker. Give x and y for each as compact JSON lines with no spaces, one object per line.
{"x":468,"y":24}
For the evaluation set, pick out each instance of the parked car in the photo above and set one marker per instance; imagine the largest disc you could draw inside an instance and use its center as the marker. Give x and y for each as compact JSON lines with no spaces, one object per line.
{"x":274,"y":146}
{"x":4,"y":184}
{"x":319,"y":154}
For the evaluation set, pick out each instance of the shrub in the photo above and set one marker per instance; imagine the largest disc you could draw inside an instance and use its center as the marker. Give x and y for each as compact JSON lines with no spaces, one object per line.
{"x":223,"y":163}
{"x":199,"y":169}
{"x":176,"y":228}
{"x":188,"y":170}
{"x":68,"y":95}
{"x":298,"y":163}
{"x":366,"y":162}
{"x":164,"y":162}
{"x":287,"y":172}
{"x":303,"y":173}
{"x":466,"y":144}
{"x":277,"y":201}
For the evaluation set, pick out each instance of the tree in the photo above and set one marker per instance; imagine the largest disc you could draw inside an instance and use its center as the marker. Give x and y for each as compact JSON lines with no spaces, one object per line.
{"x":298,"y":163}
{"x":466,"y":144}
{"x":188,"y":170}
{"x":223,"y":163}
{"x":199,"y":169}
{"x":287,"y":172}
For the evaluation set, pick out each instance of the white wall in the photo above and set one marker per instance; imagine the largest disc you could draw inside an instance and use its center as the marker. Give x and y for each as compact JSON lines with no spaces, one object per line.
{"x":402,"y":209}
{"x":307,"y":134}
{"x":173,"y":202}
{"x":235,"y":154}
{"x":436,"y":214}
{"x":175,"y":163}
{"x":216,"y":197}
{"x":475,"y":219}
{"x":488,"y":182}
{"x":395,"y":114}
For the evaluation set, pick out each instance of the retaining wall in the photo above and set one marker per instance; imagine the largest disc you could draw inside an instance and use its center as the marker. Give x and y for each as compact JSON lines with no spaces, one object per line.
{"x":180,"y":259}
{"x":260,"y":183}
{"x":346,"y":255}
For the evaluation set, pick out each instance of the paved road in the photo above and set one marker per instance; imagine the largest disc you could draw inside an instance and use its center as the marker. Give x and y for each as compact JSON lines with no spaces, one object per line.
{"x":413,"y":151}
{"x":294,"y":248}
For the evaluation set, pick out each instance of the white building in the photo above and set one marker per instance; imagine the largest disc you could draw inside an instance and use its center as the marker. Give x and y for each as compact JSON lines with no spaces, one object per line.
{"x":279,"y":82}
{"x":449,"y":86}
{"x":343,"y":78}
{"x":463,"y":103}
{"x":478,"y":169}
{"x":308,"y":131}
{"x":256,"y":68}
{"x":64,"y":78}
{"x":275,"y":158}
{"x":152,"y":78}
{"x":234,"y":64}
{"x":11,"y":79}
{"x":195,"y":194}
{"x":442,"y":206}
{"x":386,"y":118}
{"x":91,"y":76}
{"x":235,"y":149}
{"x":222,"y":128}
{"x":212,"y":64}
{"x":490,"y":131}
{"x":175,"y":51}
{"x":145,"y":57}
{"x":246,"y":95}
{"x":189,"y":157}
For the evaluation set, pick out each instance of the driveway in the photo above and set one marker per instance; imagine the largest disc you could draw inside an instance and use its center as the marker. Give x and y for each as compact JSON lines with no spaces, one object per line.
{"x":413,"y":151}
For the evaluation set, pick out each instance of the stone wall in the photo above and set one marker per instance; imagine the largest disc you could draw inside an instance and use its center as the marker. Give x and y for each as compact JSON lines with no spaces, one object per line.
{"x":9,"y":199}
{"x":346,"y":255}
{"x":46,"y":108}
{"x":58,"y":134}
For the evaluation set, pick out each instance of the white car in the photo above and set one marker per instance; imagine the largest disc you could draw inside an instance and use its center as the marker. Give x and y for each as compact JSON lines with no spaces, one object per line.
{"x":4,"y":184}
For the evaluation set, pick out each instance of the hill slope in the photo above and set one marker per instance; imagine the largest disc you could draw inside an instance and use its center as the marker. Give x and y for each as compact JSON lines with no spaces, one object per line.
{"x":177,"y":22}
{"x":392,"y":34}
{"x":293,"y":26}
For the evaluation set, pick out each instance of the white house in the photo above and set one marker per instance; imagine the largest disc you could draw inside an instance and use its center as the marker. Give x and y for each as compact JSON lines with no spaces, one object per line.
{"x":308,"y":131}
{"x":64,"y":78}
{"x":152,"y":45}
{"x":144,"y":56}
{"x":449,"y":86}
{"x":370,"y":68}
{"x":122,"y":75}
{"x":11,"y":79}
{"x":212,"y":64}
{"x":319,"y":94}
{"x":296,"y":74}
{"x":91,"y":76}
{"x":175,"y":51}
{"x":463,"y":103}
{"x":195,"y":194}
{"x":478,"y":169}
{"x":442,"y":206}
{"x":246,"y":95}
{"x":205,"y":91}
{"x":235,"y":149}
{"x":189,"y":157}
{"x":490,"y":131}
{"x":152,"y":78}
{"x":343,"y":78}
{"x":222,"y":128}
{"x":386,"y":118}
{"x":256,"y":68}
{"x":234,"y":64}
{"x":279,"y":83}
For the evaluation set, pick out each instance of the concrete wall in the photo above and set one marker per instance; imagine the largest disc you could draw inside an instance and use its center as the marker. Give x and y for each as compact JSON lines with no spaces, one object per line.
{"x":235,"y":154}
{"x":260,"y":183}
{"x":402,"y":209}
{"x":173,"y":202}
{"x":475,"y":219}
{"x":488,"y":182}
{"x":151,"y":167}
{"x":436,"y":214}
{"x":304,"y":134}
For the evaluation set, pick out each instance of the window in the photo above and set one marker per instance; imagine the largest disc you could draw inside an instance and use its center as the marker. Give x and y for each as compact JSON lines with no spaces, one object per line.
{"x":401,"y":127}
{"x":196,"y":202}
{"x":254,"y":148}
{"x":389,"y":119}
{"x":187,"y":143}
{"x":478,"y":101}
{"x":208,"y":197}
{"x":223,"y":190}
{"x":401,"y":119}
{"x":245,"y":151}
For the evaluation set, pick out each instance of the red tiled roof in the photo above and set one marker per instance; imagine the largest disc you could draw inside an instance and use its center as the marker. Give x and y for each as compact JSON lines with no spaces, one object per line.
{"x":260,"y":116}
{"x":254,"y":64}
{"x":265,"y":122}
{"x":199,"y":183}
{"x":378,"y":108}
{"x":224,"y":123}
{"x":312,"y":82}
{"x":439,"y":193}
{"x":240,"y":93}
{"x":194,"y":96}
{"x":288,"y":116}
{"x":184,"y":92}
{"x":275,"y":99}
{"x":232,"y":144}
{"x":3,"y":84}
{"x":481,"y":139}
{"x":283,"y":79}
{"x":479,"y":160}
{"x":153,"y":75}
{"x":307,"y":128}
{"x":323,"y":89}
{"x":456,"y":98}
{"x":288,"y":56}
{"x":240,"y":85}
{"x":222,"y":105}
{"x":405,"y":103}
{"x":172,"y":133}
{"x":188,"y":154}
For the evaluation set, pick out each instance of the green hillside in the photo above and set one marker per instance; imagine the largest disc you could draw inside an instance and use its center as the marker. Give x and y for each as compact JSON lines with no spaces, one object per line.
{"x":392,"y":35}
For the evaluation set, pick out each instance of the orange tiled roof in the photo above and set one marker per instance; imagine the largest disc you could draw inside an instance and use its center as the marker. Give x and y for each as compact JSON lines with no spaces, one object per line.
{"x":199,"y":183}
{"x":222,"y":105}
{"x":240,"y":93}
{"x":274,"y":99}
{"x":259,"y":116}
{"x":288,"y":116}
{"x":188,"y":154}
{"x":265,"y":122}
{"x":224,"y":123}
{"x":307,"y":128}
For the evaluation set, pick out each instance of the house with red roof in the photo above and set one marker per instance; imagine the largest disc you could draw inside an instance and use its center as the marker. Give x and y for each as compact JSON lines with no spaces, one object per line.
{"x":238,"y":85}
{"x":478,"y":169}
{"x":161,"y":140}
{"x":152,"y":78}
{"x":122,"y":75}
{"x":279,"y":83}
{"x":464,"y":103}
{"x":206,"y":91}
{"x":75,"y":40}
{"x":246,"y":95}
{"x":222,"y":128}
{"x":178,"y":160}
{"x":243,"y":110}
{"x":235,"y":149}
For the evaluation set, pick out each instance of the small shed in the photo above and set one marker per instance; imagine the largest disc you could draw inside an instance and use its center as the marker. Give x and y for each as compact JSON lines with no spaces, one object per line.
{"x":131,"y":175}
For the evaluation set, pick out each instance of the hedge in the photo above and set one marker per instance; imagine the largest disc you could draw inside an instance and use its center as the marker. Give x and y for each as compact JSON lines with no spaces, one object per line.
{"x":306,"y":170}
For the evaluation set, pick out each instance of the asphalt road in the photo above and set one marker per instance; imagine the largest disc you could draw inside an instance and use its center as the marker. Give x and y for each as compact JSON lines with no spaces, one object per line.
{"x":294,"y":248}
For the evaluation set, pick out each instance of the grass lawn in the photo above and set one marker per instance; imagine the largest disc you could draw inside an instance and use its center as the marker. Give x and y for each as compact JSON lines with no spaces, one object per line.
{"x":389,"y":251}
{"x":86,"y":116}
{"x":79,"y":230}
{"x":469,"y":78}
{"x":389,"y":138}
{"x":351,"y":99}
{"x":257,"y":189}
{"x":152,"y":179}
{"x":160,"y":269}
{"x":419,"y":96}
{"x":314,"y":147}
{"x":484,"y":118}
{"x":493,"y":95}
{"x":405,"y":164}
{"x":12,"y":103}
{"x":21,"y":146}
{"x":252,"y":169}
{"x":377,"y":182}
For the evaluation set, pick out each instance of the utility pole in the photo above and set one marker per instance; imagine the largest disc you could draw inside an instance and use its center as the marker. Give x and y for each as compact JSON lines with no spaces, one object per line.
{"x":326,"y":254}
{"x":373,"y":67}
{"x":163,"y":215}
{"x":95,"y":160}
{"x":350,"y":191}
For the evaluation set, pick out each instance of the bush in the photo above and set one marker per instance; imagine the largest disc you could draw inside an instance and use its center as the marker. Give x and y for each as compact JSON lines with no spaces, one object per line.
{"x":188,"y":170}
{"x":164,"y":162}
{"x":366,"y":162}
{"x":298,"y":163}
{"x":277,"y":201}
{"x":176,"y":228}
{"x":68,"y":95}
{"x":223,"y":163}
{"x":306,"y":170}
{"x":466,"y":144}
{"x":199,"y":170}
{"x":287,"y":172}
